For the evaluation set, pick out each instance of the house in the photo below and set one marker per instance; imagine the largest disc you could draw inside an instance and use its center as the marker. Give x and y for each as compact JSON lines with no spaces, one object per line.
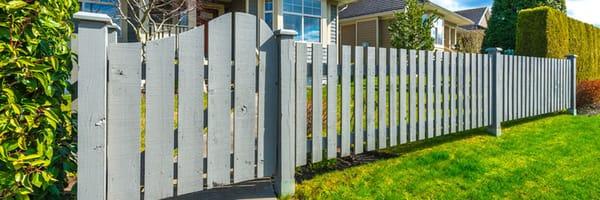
{"x":479,"y":16}
{"x":314,"y":20}
{"x":367,"y":21}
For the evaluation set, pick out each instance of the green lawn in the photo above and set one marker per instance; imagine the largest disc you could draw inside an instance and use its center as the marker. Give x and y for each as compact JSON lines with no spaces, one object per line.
{"x":556,"y":157}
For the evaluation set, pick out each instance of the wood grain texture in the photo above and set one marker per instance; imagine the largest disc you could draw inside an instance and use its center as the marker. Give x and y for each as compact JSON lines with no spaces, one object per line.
{"x":219,"y":102}
{"x":412,"y":99}
{"x":430,"y":110}
{"x":267,"y":97}
{"x":332,"y":93}
{"x":346,"y":97}
{"x":422,"y":79}
{"x":370,"y":99}
{"x":317,"y":102}
{"x":382,"y":104}
{"x":301,"y":98}
{"x":160,"y":97}
{"x":403,"y":95}
{"x":393,"y":107}
{"x":245,"y":101}
{"x":124,"y":97}
{"x":190,"y":159}
{"x":358,"y":99}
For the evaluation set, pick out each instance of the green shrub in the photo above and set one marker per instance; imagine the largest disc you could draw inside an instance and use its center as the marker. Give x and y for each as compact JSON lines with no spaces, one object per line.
{"x":470,"y":41}
{"x":547,"y":32}
{"x":588,"y":94}
{"x":36,"y":136}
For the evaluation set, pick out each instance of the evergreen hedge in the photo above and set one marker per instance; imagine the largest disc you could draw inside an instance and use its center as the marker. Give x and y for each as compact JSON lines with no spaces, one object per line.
{"x":546,"y":32}
{"x":37,"y":151}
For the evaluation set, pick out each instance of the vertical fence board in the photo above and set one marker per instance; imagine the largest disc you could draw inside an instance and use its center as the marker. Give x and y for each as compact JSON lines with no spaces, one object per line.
{"x":486,"y":90}
{"x":527,"y":86}
{"x":267,"y":97}
{"x":124,"y":97}
{"x":301,"y":111}
{"x":438,"y":94}
{"x":412,"y":100}
{"x":421,"y":92}
{"x":473,"y":94}
{"x":509,"y":79}
{"x":430,"y":95}
{"x":332,"y":83}
{"x":403,"y":96}
{"x":160,"y":91}
{"x":382,"y":91}
{"x":393,"y":97}
{"x":219,"y":102}
{"x":244,"y":98}
{"x":190,"y":158}
{"x":446,"y":92}
{"x":519,"y":87}
{"x":358,"y":99}
{"x":345,"y":147}
{"x":317,"y":102}
{"x":480,"y":88}
{"x":453,"y":92}
{"x":461,"y":91}
{"x":370,"y":99}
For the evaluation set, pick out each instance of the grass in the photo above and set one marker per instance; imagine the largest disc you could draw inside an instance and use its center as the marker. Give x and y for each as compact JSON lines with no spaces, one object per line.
{"x":545,"y":158}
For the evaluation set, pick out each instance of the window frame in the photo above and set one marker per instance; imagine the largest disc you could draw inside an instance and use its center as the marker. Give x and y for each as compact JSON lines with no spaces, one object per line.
{"x":302,"y":16}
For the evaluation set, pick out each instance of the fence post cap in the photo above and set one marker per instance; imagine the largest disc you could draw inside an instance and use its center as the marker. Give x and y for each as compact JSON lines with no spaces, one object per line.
{"x":94,"y":17}
{"x":285,"y":32}
{"x":493,"y":50}
{"x":571,"y":56}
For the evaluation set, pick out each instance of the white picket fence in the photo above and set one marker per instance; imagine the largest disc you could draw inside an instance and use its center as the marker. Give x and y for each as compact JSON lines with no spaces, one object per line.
{"x":253,"y":120}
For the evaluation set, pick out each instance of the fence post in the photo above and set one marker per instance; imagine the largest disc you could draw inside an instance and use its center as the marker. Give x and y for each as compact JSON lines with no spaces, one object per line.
{"x":93,"y":38}
{"x":573,"y":81}
{"x":496,"y":89}
{"x":284,"y":180}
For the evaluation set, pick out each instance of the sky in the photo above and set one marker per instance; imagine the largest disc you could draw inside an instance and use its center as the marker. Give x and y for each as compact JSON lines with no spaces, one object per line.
{"x":583,"y":10}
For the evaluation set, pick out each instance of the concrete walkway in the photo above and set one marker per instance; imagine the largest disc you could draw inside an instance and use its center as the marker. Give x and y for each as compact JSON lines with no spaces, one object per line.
{"x":256,"y":189}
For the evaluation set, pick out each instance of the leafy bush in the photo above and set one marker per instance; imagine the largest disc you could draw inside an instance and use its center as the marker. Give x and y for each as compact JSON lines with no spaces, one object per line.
{"x":502,"y":24}
{"x":408,"y":29}
{"x":546,"y":32}
{"x":588,"y":94}
{"x":470,"y":41}
{"x":36,"y":151}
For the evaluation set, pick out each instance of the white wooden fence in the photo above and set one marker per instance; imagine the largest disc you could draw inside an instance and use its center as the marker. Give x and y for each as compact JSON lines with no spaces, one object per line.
{"x":253,"y":121}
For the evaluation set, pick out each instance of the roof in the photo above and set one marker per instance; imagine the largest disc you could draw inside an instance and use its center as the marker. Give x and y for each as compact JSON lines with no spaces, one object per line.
{"x":366,"y":7}
{"x":474,"y":14}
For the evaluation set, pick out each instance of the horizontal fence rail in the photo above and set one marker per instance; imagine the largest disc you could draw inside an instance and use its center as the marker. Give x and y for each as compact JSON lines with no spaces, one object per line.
{"x":248,"y":103}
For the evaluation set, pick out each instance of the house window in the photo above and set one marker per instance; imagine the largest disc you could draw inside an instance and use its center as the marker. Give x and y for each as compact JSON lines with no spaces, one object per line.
{"x":303,"y":16}
{"x":269,"y":12}
{"x":437,"y":32}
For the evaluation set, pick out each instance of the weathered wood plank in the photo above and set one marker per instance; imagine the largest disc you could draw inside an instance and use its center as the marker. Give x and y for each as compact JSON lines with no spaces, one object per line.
{"x":393,"y":108}
{"x":461,"y":91}
{"x":160,"y":97}
{"x":124,"y":97}
{"x":468,"y":91}
{"x":358,"y":99}
{"x":346,"y":69}
{"x":453,"y":92}
{"x":509,"y":80}
{"x":486,"y":90}
{"x":446,"y":93}
{"x":403,"y":96}
{"x":245,"y":112}
{"x":370,"y":99}
{"x":267,"y":97}
{"x":317,"y":103}
{"x":422,"y":79}
{"x":473,"y":92}
{"x":412,"y":100}
{"x":219,"y":102}
{"x":381,"y":106}
{"x":438,"y":94}
{"x":430,"y":95}
{"x":190,"y":158}
{"x":480,"y":100}
{"x":332,"y":83}
{"x":301,"y":97}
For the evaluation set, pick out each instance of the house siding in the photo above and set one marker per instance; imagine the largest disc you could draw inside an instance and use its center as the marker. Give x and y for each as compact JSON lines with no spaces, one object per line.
{"x":384,"y":34}
{"x":366,"y":32}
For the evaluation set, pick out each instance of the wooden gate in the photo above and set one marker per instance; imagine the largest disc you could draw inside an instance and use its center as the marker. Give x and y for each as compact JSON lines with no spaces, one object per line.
{"x":173,"y":136}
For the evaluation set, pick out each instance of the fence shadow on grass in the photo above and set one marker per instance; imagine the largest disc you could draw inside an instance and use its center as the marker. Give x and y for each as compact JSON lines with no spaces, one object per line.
{"x":311,"y":170}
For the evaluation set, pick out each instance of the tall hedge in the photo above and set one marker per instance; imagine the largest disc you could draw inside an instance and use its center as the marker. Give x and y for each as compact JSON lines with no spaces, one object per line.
{"x":36,"y":136}
{"x":546,"y":32}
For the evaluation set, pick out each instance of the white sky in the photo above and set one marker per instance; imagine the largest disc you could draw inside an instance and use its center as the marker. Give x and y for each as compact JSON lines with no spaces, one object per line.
{"x":583,"y":10}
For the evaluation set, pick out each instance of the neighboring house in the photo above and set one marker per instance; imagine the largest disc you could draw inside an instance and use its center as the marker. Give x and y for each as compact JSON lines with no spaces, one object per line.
{"x":479,"y":16}
{"x":314,"y":20}
{"x":367,"y":21}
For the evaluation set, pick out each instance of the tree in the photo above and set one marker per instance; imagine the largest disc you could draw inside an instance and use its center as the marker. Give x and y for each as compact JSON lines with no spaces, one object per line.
{"x":146,"y":16}
{"x":410,"y":29}
{"x":502,"y":25}
{"x":469,"y":41}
